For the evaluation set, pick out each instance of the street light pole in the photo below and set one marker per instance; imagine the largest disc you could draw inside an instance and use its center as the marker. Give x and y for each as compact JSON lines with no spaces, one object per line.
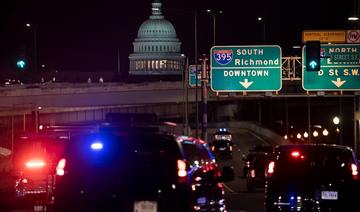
{"x":28,"y":25}
{"x":260,"y":19}
{"x":214,"y":28}
{"x":204,"y":97}
{"x":341,"y":123}
{"x":214,"y":13}
{"x":196,"y":75}
{"x":309,"y":118}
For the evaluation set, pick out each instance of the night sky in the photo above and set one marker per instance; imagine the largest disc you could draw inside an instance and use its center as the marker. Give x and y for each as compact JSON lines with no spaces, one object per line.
{"x":79,"y":35}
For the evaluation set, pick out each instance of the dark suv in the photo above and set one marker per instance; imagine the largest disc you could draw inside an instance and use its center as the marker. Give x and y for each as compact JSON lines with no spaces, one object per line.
{"x":134,"y":171}
{"x":312,"y":178}
{"x":222,"y":148}
{"x":256,"y":165}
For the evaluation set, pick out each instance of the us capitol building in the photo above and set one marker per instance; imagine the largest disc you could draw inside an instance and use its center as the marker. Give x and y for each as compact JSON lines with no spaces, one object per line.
{"x":156,"y":48}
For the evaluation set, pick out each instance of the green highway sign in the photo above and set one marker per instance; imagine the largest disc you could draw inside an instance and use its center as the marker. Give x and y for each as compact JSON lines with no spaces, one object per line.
{"x":339,"y":68}
{"x":192,"y":75}
{"x":245,"y":68}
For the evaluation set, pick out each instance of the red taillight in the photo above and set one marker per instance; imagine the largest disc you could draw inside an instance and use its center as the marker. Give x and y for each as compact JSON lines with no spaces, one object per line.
{"x":295,"y":154}
{"x":354,"y":171}
{"x":182,"y":173}
{"x":35,"y":164}
{"x":220,"y":185}
{"x":60,"y":167}
{"x":271,"y":168}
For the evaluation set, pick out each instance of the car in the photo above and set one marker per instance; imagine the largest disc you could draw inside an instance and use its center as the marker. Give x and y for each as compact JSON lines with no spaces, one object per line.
{"x":268,"y":149}
{"x":222,"y":149}
{"x":223,"y":134}
{"x":34,"y":161}
{"x":312,"y":177}
{"x":256,"y":165}
{"x":125,"y":170}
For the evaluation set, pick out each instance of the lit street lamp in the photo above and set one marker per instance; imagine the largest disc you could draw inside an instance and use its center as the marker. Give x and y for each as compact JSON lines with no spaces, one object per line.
{"x":353,"y":18}
{"x":336,"y":120}
{"x":315,"y":133}
{"x":325,"y":132}
{"x":214,"y":13}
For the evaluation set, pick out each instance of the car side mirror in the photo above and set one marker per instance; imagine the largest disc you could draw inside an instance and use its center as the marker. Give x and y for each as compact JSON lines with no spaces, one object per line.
{"x":227,"y":174}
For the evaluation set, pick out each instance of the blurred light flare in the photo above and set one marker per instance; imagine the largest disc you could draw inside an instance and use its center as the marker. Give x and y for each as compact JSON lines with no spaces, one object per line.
{"x":35,"y":163}
{"x":97,"y":146}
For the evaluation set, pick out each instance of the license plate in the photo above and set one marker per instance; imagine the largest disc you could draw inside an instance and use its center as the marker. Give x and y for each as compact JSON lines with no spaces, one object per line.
{"x":329,"y":195}
{"x":201,"y":201}
{"x":38,"y":208}
{"x":145,"y":206}
{"x":222,"y":148}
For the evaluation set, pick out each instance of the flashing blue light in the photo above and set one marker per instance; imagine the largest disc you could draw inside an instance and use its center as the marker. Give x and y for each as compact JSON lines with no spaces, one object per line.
{"x":97,"y":146}
{"x":292,"y":200}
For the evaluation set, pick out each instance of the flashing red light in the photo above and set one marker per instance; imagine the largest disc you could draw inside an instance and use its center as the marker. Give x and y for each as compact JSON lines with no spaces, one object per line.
{"x":60,"y":167}
{"x":35,"y":164}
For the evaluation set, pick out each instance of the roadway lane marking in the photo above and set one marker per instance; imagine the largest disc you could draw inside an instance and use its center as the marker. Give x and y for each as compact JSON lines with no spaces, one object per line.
{"x":228,"y":188}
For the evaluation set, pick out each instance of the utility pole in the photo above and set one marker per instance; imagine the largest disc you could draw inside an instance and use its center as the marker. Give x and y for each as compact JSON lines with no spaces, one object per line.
{"x":341,"y":142}
{"x":204,"y":98}
{"x":186,"y":96}
{"x":309,"y":118}
{"x":118,"y":62}
{"x":196,"y":75}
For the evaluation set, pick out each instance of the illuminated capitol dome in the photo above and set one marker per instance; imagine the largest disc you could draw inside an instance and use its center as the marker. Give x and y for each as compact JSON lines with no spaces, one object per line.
{"x":156,"y":48}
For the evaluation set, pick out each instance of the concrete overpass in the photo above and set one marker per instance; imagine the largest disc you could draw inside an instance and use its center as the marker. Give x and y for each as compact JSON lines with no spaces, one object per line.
{"x":111,"y":94}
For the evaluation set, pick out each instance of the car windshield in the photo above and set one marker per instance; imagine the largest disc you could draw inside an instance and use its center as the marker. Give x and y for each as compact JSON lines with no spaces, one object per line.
{"x":318,"y":164}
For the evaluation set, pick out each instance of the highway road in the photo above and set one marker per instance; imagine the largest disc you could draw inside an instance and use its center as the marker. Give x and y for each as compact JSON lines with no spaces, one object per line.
{"x":237,"y":197}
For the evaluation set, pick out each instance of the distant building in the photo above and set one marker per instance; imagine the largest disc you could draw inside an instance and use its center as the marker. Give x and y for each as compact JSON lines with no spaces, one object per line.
{"x":156,"y":48}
